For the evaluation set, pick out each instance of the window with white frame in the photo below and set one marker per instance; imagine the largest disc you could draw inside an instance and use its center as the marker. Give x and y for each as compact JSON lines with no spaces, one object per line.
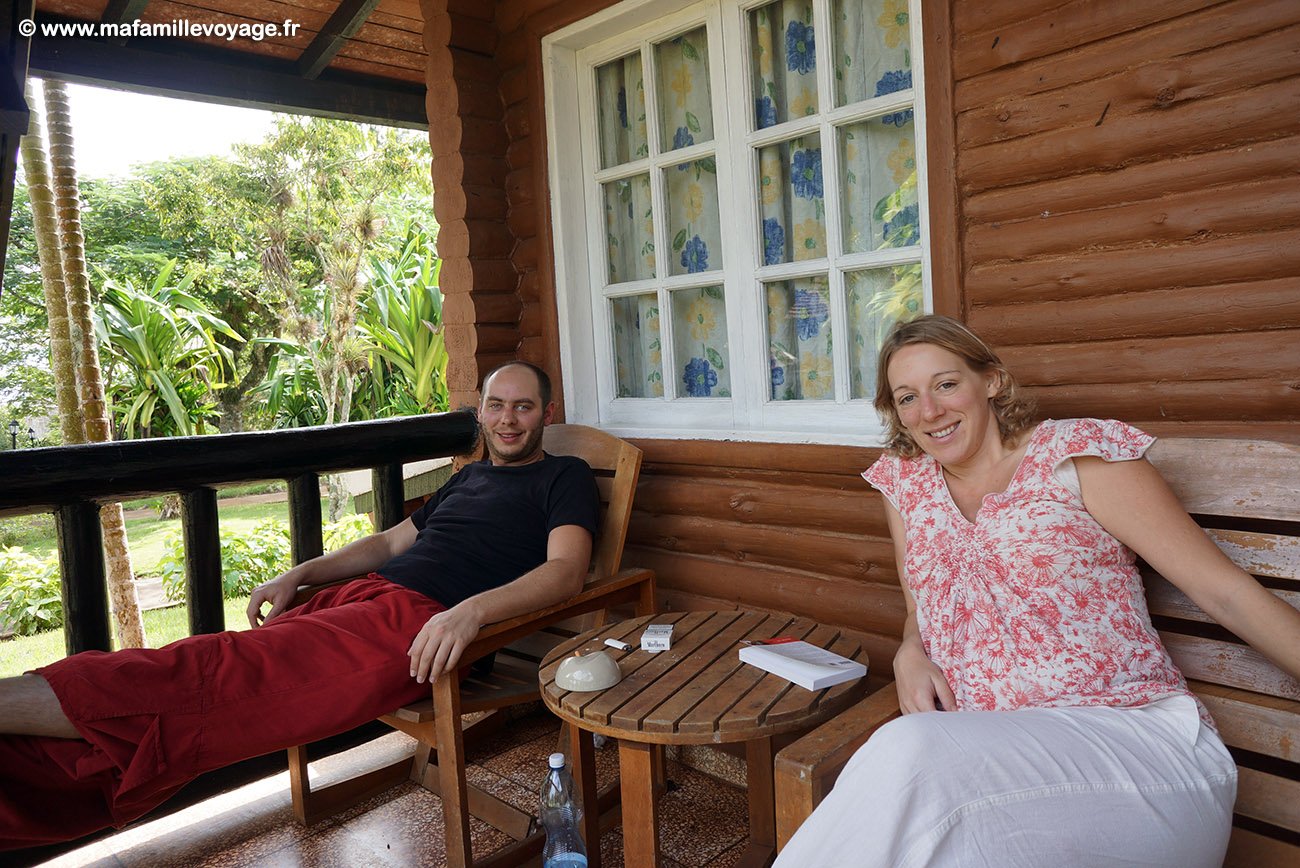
{"x":738,"y":208}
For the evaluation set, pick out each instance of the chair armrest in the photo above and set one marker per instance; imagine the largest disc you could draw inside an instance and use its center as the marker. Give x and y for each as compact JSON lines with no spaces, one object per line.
{"x":306,"y":592}
{"x":806,"y":769}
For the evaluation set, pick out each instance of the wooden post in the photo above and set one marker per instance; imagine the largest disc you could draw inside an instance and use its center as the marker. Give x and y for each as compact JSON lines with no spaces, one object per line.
{"x":202,"y":538}
{"x":85,"y":594}
{"x":389,"y":495}
{"x":305,"y":540}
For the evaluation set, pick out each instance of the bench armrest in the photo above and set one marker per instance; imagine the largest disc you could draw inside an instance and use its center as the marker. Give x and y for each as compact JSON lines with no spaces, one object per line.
{"x":806,"y":769}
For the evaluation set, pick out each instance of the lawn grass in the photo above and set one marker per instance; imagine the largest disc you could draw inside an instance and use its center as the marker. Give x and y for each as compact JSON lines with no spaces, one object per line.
{"x":21,"y":653}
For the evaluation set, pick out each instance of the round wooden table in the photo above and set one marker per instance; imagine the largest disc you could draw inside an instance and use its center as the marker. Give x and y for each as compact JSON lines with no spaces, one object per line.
{"x":698,"y":692}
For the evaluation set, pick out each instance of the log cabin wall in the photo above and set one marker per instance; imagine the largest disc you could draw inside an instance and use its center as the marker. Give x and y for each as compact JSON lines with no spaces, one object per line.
{"x":1116,"y":198}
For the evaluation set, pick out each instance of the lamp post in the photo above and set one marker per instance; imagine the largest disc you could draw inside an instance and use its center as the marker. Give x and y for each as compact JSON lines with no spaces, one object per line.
{"x":31,"y":436}
{"x":13,"y":433}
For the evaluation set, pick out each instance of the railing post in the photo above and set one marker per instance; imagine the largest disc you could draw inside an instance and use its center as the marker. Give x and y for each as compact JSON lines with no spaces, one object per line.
{"x":202,"y":536}
{"x":305,"y":540}
{"x":389,"y":491}
{"x":85,"y":593}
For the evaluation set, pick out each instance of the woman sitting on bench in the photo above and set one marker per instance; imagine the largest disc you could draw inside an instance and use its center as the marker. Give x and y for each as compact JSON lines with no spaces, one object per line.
{"x":1071,"y":739}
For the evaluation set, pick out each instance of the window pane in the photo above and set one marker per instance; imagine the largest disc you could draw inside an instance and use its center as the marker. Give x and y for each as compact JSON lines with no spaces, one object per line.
{"x":799,"y":339}
{"x":873,"y":51}
{"x":685,"y":109}
{"x":637,"y":350}
{"x":791,"y":203}
{"x":880,"y":204}
{"x":620,"y":99}
{"x":700,"y":342}
{"x":876,"y":300}
{"x":629,"y":229}
{"x":783,"y":62}
{"x":693,"y":217}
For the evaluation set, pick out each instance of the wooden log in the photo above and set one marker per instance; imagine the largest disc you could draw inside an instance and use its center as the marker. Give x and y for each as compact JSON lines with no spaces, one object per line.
{"x":482,"y":306}
{"x":1220,"y":23}
{"x":834,"y":554}
{"x":387,"y":484}
{"x":1262,"y":256}
{"x":1093,"y":191}
{"x":1203,"y":310}
{"x":1238,"y":208}
{"x":1200,"y":401}
{"x":1186,"y":128}
{"x":804,"y":458}
{"x":1247,"y":486}
{"x":764,"y":503}
{"x":82,"y":576}
{"x":1052,"y":30}
{"x":305,"y":540}
{"x":1278,"y":431}
{"x":1131,"y":88}
{"x":874,"y":606}
{"x":200,"y":532}
{"x":1234,"y":356}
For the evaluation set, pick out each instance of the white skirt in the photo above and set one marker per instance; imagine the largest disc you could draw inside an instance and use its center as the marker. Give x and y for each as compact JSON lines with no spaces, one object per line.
{"x":1057,"y":787}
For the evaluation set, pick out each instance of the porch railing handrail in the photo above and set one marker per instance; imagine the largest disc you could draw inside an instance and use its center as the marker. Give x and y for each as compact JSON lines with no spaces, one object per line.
{"x":73,"y":481}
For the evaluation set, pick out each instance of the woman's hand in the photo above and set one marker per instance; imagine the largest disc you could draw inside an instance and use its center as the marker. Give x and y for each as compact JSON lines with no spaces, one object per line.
{"x":921,"y":685}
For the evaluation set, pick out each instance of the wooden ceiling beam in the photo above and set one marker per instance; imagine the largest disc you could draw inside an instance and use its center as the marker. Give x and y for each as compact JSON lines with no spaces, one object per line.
{"x":330,"y":39}
{"x":122,"y":12}
{"x":229,"y":78}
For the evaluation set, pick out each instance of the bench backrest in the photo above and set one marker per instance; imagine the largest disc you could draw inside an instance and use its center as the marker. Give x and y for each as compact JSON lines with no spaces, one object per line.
{"x":617,"y":465}
{"x":1246,"y":494}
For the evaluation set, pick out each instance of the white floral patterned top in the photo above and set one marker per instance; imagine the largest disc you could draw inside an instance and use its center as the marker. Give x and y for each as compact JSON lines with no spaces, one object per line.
{"x":1033,"y":604}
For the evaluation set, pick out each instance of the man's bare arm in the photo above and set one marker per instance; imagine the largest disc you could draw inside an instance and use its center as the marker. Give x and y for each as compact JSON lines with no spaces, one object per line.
{"x":441,"y":642}
{"x":354,"y":559}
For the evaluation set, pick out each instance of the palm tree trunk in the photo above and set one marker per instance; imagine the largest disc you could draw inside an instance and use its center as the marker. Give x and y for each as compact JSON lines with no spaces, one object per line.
{"x":123,"y":601}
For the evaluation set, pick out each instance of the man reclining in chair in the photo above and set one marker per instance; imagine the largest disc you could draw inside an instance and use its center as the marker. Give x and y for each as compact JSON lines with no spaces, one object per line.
{"x":100,"y":738}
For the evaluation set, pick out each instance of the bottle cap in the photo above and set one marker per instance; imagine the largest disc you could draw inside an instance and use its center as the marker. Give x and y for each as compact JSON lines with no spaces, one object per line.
{"x":557,"y":760}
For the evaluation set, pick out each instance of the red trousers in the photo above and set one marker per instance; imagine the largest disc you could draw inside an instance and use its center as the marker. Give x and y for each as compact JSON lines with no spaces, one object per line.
{"x":153,"y":720}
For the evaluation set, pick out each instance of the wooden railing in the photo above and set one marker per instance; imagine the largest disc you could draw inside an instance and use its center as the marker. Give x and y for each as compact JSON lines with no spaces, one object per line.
{"x":73,"y":481}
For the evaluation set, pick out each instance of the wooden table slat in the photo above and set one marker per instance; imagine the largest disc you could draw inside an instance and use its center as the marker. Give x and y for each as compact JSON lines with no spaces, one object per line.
{"x":758,"y":705}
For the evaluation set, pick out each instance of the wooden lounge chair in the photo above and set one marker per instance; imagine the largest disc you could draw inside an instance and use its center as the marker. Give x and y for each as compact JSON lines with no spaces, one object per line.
{"x":519,"y":645}
{"x":1245,"y":493}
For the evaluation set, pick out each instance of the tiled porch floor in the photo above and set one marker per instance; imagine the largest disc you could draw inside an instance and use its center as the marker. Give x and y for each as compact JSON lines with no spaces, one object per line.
{"x":703,"y":821}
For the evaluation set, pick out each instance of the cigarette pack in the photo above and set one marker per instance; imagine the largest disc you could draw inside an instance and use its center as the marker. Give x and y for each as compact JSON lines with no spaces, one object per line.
{"x":657,"y":637}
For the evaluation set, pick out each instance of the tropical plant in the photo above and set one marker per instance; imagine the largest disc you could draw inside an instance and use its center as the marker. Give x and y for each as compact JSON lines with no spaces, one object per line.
{"x":402,"y":319}
{"x":31,"y":599}
{"x":162,"y":341}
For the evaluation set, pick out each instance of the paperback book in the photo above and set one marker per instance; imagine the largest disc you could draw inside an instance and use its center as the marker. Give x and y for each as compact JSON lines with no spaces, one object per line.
{"x":803,"y":663}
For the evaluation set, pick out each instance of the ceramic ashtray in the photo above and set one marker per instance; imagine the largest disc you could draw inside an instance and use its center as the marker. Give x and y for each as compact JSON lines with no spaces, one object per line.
{"x":586,"y":672}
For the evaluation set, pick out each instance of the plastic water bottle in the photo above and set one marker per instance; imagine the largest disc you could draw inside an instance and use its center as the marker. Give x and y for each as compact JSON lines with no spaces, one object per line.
{"x":560,"y":813}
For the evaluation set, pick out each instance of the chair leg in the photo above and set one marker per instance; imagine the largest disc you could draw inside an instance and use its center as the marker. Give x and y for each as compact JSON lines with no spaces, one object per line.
{"x":451,"y":771}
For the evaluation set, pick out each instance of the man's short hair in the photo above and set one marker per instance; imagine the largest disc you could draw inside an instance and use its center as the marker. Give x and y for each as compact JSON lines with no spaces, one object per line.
{"x":543,"y":379}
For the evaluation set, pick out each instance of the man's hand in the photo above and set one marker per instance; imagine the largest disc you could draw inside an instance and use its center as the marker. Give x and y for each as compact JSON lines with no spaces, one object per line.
{"x":277,"y":592}
{"x":442,"y":640}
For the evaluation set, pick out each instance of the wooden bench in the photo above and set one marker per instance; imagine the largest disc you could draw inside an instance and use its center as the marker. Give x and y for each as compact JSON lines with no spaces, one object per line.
{"x":1246,"y":494}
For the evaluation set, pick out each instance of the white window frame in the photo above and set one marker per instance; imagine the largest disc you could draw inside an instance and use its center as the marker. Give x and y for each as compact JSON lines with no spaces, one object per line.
{"x":569,"y":57}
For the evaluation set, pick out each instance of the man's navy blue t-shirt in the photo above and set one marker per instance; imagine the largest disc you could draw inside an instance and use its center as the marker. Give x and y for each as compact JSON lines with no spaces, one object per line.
{"x":488,"y":525}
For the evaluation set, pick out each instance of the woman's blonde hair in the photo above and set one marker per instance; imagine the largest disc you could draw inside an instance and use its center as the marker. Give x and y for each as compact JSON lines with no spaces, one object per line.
{"x":1012,"y":409}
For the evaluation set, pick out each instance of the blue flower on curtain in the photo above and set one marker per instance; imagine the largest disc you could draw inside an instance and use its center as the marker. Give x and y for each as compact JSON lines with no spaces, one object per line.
{"x":800,"y":48}
{"x":681,"y":139}
{"x":894,"y":81}
{"x":809,"y":312}
{"x":765,"y":112}
{"x":773,"y":241}
{"x":695,"y":256}
{"x":806,"y":173}
{"x":778,"y":374}
{"x":622,"y":106}
{"x":898,"y":119}
{"x":698,"y":378}
{"x":906,"y":222}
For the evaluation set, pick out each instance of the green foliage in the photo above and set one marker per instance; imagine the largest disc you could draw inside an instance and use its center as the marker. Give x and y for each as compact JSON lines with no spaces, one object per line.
{"x":21,"y":530}
{"x":30,"y":595}
{"x":161,"y":354}
{"x":256,"y":556}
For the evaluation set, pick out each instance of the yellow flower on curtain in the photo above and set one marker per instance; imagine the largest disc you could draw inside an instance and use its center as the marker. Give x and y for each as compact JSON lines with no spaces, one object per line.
{"x":902,"y":161}
{"x":702,"y":319}
{"x":762,"y":46}
{"x":893,"y":20}
{"x":816,"y":374}
{"x":693,"y":202}
{"x":681,"y":84}
{"x":809,"y":239}
{"x":770,"y":169}
{"x":778,"y":306}
{"x":850,"y":150}
{"x":804,"y":104}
